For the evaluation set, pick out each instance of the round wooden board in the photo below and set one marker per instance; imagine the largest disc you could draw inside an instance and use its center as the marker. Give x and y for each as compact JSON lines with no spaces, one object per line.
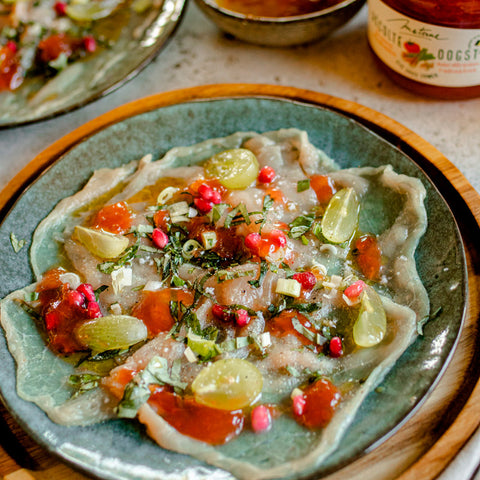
{"x":424,"y":445}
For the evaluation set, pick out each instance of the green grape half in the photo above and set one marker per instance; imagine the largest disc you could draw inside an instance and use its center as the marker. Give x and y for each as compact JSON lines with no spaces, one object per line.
{"x":111,"y":332}
{"x":371,"y":324}
{"x":341,"y":216}
{"x":228,"y":384}
{"x":235,"y":169}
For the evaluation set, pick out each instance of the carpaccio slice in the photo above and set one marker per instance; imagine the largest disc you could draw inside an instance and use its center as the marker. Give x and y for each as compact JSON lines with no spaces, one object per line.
{"x":275,"y":291}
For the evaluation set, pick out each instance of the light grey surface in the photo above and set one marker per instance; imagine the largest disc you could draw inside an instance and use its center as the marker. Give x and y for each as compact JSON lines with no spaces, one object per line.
{"x":341,"y":65}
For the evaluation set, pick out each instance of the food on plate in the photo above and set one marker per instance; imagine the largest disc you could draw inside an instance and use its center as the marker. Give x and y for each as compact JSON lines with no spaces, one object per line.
{"x":236,"y":293}
{"x":40,"y":38}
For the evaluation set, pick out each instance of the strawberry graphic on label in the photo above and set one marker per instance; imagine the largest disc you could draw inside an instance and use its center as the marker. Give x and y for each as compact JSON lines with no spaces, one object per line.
{"x":412,"y":47}
{"x":416,"y":55}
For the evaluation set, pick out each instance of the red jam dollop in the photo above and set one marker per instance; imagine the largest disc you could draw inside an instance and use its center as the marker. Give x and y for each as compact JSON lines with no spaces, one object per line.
{"x":320,"y":402}
{"x":115,"y":218}
{"x":369,"y":257}
{"x":210,"y":425}
{"x":154,"y":308}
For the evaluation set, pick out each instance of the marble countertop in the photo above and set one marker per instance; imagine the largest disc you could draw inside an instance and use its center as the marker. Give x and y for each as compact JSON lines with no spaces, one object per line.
{"x":341,"y":65}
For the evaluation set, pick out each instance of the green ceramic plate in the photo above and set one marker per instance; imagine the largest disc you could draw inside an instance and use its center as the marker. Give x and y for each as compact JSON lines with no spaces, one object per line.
{"x":139,"y":41}
{"x":120,"y":449}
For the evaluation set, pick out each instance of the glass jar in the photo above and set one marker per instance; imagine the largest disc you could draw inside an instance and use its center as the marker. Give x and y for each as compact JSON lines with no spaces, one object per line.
{"x":430,"y":47}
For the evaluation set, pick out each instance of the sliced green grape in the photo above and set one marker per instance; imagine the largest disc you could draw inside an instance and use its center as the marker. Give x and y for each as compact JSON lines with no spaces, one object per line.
{"x":228,"y":384}
{"x":93,"y":10}
{"x":236,"y":168}
{"x":111,"y":332}
{"x":341,"y":216}
{"x":101,"y":244}
{"x":371,"y":324}
{"x":206,"y":349}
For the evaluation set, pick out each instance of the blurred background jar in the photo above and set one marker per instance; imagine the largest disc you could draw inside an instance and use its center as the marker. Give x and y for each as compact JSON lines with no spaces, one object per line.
{"x":430,"y":47}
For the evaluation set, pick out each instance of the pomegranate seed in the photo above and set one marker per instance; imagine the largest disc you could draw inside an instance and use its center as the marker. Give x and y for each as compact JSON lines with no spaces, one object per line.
{"x":299,"y":403}
{"x":266,"y":175}
{"x":60,"y":8}
{"x":242,"y":318}
{"x":52,"y":320}
{"x":252,"y":241}
{"x":216,"y":197}
{"x":76,"y":298}
{"x":159,"y":238}
{"x":87,"y":290}
{"x":306,"y":279}
{"x":218,"y":311}
{"x":202,"y":205}
{"x":261,"y":419}
{"x":89,"y":43}
{"x":93,"y":310}
{"x":206,"y":192}
{"x":335,"y":347}
{"x":12,"y":46}
{"x":355,"y":289}
{"x":278,"y":238}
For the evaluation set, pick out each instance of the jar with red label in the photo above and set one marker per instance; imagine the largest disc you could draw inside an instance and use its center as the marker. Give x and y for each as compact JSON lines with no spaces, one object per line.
{"x":430,"y":47}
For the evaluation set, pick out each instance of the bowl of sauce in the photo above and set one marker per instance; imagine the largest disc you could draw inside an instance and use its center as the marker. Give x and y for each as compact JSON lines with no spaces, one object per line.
{"x":280,"y":23}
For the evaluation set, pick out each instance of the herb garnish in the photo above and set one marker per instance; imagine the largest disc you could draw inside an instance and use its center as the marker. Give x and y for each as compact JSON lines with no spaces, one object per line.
{"x":263,"y":272}
{"x":83,"y":382}
{"x":99,"y":290}
{"x":127,"y":257}
{"x":301,"y":225}
{"x":303,"y":185}
{"x":17,"y":245}
{"x":267,"y":205}
{"x":137,"y":391}
{"x":237,"y":215}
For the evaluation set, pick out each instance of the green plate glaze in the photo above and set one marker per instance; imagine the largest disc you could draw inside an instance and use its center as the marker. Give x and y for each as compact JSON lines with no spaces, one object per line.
{"x":120,"y":449}
{"x":139,"y":41}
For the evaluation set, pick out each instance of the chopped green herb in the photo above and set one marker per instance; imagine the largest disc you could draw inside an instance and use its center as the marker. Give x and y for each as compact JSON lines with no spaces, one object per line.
{"x":137,"y":392}
{"x":83,"y":382}
{"x":303,"y":185}
{"x":30,"y":296}
{"x":292,"y":371}
{"x":99,"y":290}
{"x":302,"y":330}
{"x":134,"y":396}
{"x":224,"y":275}
{"x":127,"y":257}
{"x":217,"y":211}
{"x":204,"y":348}
{"x":17,"y":245}
{"x":237,"y":215}
{"x":177,"y":281}
{"x":138,"y":288}
{"x":263,"y":272}
{"x":142,"y":230}
{"x":301,"y":225}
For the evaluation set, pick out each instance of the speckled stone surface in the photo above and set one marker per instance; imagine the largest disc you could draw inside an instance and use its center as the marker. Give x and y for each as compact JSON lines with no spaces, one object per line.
{"x":341,"y":65}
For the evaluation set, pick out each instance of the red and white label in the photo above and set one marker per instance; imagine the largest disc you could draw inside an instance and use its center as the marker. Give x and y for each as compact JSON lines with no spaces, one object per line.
{"x":441,"y":56}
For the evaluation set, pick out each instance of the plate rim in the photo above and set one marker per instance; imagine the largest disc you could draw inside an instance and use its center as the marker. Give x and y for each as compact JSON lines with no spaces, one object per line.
{"x":160,"y":44}
{"x":374,"y":121}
